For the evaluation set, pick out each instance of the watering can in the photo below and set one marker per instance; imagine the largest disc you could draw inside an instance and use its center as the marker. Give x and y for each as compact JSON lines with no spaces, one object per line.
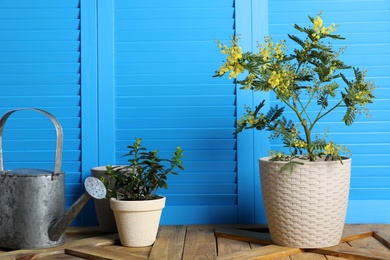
{"x":32,"y":201}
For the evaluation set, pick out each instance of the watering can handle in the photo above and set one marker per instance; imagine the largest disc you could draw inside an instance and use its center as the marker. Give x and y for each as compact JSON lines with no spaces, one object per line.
{"x":59,"y":134}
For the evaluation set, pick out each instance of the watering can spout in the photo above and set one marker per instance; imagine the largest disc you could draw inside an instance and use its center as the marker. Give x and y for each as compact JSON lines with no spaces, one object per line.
{"x":93,"y":188}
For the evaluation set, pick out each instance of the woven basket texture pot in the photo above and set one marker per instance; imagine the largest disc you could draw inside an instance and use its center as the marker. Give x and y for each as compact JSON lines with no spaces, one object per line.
{"x":137,"y":221}
{"x":306,"y":208}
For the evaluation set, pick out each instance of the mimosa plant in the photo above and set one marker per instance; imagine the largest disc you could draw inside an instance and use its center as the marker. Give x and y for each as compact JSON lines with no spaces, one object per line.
{"x":310,"y":82}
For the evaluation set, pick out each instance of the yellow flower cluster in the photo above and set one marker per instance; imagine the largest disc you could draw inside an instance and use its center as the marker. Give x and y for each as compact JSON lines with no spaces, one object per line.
{"x":265,"y":53}
{"x":277,"y":155}
{"x":271,"y":50}
{"x":296,"y":143}
{"x":294,"y":132}
{"x":299,"y":143}
{"x":331,"y":149}
{"x":319,"y":28}
{"x":234,"y":54}
{"x":363,"y":90}
{"x":318,"y":23}
{"x":362,"y":97}
{"x":281,"y":81}
{"x":249,"y":80}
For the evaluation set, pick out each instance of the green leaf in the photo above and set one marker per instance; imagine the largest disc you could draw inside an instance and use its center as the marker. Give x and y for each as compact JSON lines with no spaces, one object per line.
{"x":349,"y":116}
{"x":297,"y":40}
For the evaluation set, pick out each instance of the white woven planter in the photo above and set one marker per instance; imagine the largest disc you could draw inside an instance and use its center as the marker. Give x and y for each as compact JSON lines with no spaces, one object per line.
{"x":137,"y":221}
{"x":306,"y":208}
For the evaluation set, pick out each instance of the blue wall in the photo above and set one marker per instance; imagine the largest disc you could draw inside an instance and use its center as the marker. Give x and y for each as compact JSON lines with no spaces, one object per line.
{"x":114,"y":70}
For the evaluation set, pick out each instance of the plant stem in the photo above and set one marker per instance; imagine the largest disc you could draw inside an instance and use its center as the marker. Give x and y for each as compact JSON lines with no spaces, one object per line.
{"x":327,"y":112}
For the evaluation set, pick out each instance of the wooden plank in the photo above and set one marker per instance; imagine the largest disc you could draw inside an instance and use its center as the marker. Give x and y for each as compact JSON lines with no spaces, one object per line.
{"x":384,"y":240}
{"x":244,"y":235}
{"x":283,"y":258}
{"x":329,"y":257}
{"x":32,"y":255}
{"x":355,"y":229}
{"x":212,"y":242}
{"x":368,"y":242}
{"x":93,"y":230}
{"x":169,"y":244}
{"x":73,"y":233}
{"x":142,"y":251}
{"x":356,"y":236}
{"x":308,"y":256}
{"x":227,"y":246}
{"x":382,"y":234}
{"x":237,"y":226}
{"x":102,"y":253}
{"x":39,"y":253}
{"x":200,"y":244}
{"x":263,"y":253}
{"x":61,"y":257}
{"x":354,"y":253}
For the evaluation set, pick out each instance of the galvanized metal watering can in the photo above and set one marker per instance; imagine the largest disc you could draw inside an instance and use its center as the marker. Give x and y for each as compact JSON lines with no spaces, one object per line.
{"x":32,"y":201}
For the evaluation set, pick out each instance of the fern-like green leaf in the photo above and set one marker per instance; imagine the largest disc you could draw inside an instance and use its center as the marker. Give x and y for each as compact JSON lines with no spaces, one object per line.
{"x":274,"y":113}
{"x":297,"y":40}
{"x":345,"y":80}
{"x":323,"y":100}
{"x":349,"y":116}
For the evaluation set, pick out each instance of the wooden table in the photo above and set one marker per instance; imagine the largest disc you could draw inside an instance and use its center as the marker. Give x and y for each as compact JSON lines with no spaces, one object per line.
{"x":211,"y":242}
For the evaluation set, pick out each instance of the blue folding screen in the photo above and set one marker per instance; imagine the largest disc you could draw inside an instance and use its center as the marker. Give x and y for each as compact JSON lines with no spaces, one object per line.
{"x":164,"y":59}
{"x":111,"y":71}
{"x":40,"y":67}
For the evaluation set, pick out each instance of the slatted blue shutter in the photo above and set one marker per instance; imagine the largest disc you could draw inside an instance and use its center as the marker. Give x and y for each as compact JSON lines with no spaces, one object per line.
{"x":147,"y":73}
{"x":164,"y":59}
{"x":40,"y":67}
{"x":366,"y":26}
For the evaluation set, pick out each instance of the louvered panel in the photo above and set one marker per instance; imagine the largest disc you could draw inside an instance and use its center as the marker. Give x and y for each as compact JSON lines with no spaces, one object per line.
{"x":380,"y":171}
{"x":36,"y":35}
{"x":39,"y":57}
{"x":200,"y":200}
{"x":339,"y":17}
{"x":19,"y":46}
{"x":165,"y":57}
{"x":188,"y":89}
{"x":123,"y":47}
{"x":329,"y":6}
{"x":40,"y":67}
{"x":43,"y":103}
{"x":372,"y":182}
{"x":176,"y":100}
{"x":176,"y":122}
{"x":208,"y":12}
{"x":210,"y":214}
{"x":41,"y":24}
{"x":163,"y":134}
{"x":196,"y":144}
{"x":34,"y":68}
{"x":209,"y":177}
{"x":179,"y":112}
{"x":55,"y":90}
{"x":167,"y":6}
{"x":366,"y":26}
{"x":347,"y":27}
{"x":28,"y":5}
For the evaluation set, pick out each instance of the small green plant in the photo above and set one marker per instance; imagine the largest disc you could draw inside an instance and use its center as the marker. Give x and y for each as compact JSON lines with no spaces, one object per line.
{"x":308,"y":81}
{"x":145,"y":173}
